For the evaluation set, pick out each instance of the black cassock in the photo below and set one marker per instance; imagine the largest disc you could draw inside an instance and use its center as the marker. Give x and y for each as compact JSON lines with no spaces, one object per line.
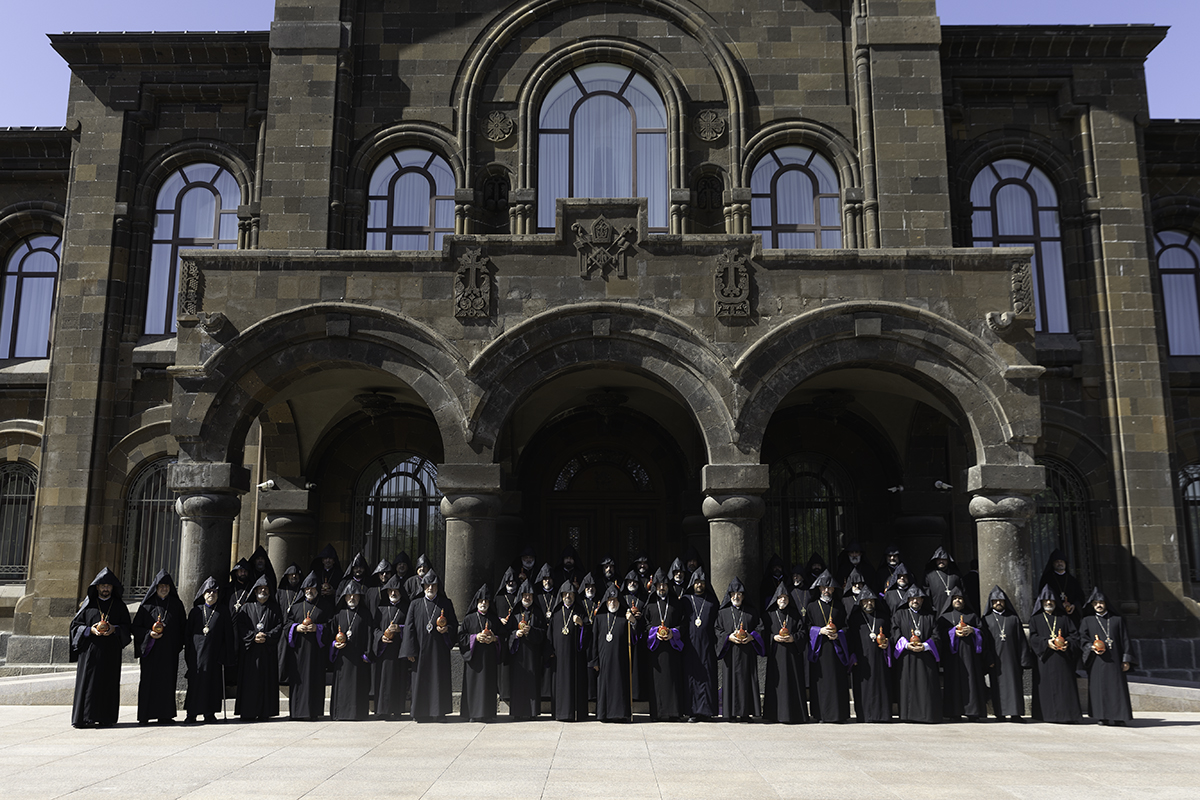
{"x":570,"y":651}
{"x":1055,"y":691}
{"x":640,"y":655}
{"x":1108,"y":688}
{"x":612,"y":648}
{"x":309,"y":655}
{"x":829,"y":663}
{"x":963,"y":692}
{"x":783,"y":694}
{"x":918,"y":680}
{"x":481,"y":662}
{"x":871,"y":677}
{"x":501,"y":606}
{"x":98,"y":674}
{"x":258,"y":667}
{"x":208,"y":650}
{"x":940,"y":586}
{"x":665,"y":658}
{"x":431,"y":689}
{"x":590,"y":608}
{"x":543,"y":602}
{"x":392,"y":673}
{"x":739,"y":662}
{"x":525,"y":658}
{"x":699,"y":655}
{"x":350,"y":697}
{"x":1008,"y":655}
{"x":284,"y":598}
{"x":159,"y":657}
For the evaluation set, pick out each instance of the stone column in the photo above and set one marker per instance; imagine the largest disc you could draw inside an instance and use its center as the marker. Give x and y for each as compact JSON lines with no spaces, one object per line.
{"x":289,"y":538}
{"x":733,"y":507}
{"x":209,"y":502}
{"x":471,"y":506}
{"x":1001,"y":514}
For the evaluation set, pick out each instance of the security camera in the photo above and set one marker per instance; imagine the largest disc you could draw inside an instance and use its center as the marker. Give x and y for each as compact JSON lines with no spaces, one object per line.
{"x":265,"y":485}
{"x":310,"y":486}
{"x":894,"y":489}
{"x":942,"y":485}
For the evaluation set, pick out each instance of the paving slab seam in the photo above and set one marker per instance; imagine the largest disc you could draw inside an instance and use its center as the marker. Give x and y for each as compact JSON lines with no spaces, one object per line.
{"x":553,"y":754}
{"x":451,"y":764}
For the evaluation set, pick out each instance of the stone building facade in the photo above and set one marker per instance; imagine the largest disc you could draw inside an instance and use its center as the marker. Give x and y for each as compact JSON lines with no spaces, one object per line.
{"x":755,"y":277}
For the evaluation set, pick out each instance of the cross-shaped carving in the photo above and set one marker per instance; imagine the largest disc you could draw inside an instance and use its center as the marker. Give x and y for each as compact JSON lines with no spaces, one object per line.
{"x":473,"y":286}
{"x":603,"y":248}
{"x":732,"y":284}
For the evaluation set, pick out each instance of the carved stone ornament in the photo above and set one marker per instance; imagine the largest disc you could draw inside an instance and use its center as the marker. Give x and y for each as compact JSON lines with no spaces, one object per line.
{"x":499,"y":126}
{"x":191,"y":288}
{"x":473,"y":286}
{"x":603,"y":248}
{"x":1001,"y":321}
{"x":732,"y":284}
{"x":1022,"y":287}
{"x":709,"y":125}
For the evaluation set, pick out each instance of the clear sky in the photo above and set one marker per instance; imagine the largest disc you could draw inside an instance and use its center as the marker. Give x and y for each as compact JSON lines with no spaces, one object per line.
{"x":33,"y":79}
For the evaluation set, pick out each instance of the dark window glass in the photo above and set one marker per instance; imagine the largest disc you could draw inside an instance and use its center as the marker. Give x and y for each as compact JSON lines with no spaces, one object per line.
{"x":397,"y":506}
{"x":795,"y":201}
{"x":152,"y":529}
{"x":30,"y":280}
{"x":810,"y":503}
{"x":1189,"y":485}
{"x":410,"y":201}
{"x":1063,"y":521}
{"x":18,"y":487}
{"x":1179,"y":265}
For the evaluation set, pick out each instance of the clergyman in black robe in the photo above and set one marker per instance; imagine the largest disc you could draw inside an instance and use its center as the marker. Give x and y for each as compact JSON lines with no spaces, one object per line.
{"x":568,"y":568}
{"x":871,"y":644}
{"x":963,"y":692}
{"x":1107,"y":658}
{"x":99,"y":632}
{"x":381,"y":575}
{"x":829,"y":653}
{"x":567,"y":639}
{"x":525,"y":640}
{"x":664,"y":643}
{"x":916,"y":654}
{"x":784,"y":636}
{"x":237,"y":591}
{"x":941,"y":579}
{"x":307,"y":635}
{"x":850,"y":559}
{"x":634,"y":601}
{"x":1054,"y":640}
{"x":258,"y":626}
{"x":895,"y":594}
{"x":285,"y":595}
{"x":589,"y":600}
{"x":612,"y":634}
{"x":356,"y":572}
{"x":1068,"y":591}
{"x":480,"y":645}
{"x":158,"y":631}
{"x":544,"y":598}
{"x":208,"y":650}
{"x":414,"y":584}
{"x":391,"y":677}
{"x":505,"y":601}
{"x":430,"y":632}
{"x":350,"y":653}
{"x":739,"y":644}
{"x":1008,"y":656}
{"x":699,"y":649}
{"x":678,"y":575}
{"x":771,"y":579}
{"x":328,"y":570}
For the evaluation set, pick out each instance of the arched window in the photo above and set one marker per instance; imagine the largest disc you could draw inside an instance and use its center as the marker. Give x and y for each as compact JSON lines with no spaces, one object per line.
{"x":1063,"y":521}
{"x":1179,"y":264}
{"x":1013,"y":204}
{"x":810,"y":502}
{"x":1189,"y":486}
{"x":602,"y":132}
{"x":18,"y":487}
{"x":397,"y":506}
{"x":410,"y":201}
{"x":196,"y":208}
{"x":30,"y":278}
{"x":152,"y":528}
{"x":795,"y":201}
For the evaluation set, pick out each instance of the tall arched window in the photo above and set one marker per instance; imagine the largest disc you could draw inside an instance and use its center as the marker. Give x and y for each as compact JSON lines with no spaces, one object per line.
{"x":196,"y":208}
{"x":1013,"y":204}
{"x":810,"y":502}
{"x":794,"y":200}
{"x":397,"y":506}
{"x":18,"y":488}
{"x":602,"y":132}
{"x":1179,"y":264}
{"x":152,"y":528}
{"x":410,"y":201}
{"x":1063,"y":521}
{"x":30,"y":278}
{"x":1189,"y":486}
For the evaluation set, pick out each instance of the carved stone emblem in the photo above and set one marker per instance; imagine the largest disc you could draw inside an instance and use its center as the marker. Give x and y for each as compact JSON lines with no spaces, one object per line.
{"x":732,"y":285}
{"x":473,"y":286}
{"x":603,"y":249}
{"x":499,"y":126}
{"x":191,"y":288}
{"x":709,"y":125}
{"x":1022,"y":287}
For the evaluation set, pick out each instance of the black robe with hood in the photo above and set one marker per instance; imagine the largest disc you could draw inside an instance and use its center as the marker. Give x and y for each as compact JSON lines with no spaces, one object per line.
{"x":563,"y":573}
{"x":414,"y":584}
{"x":268,"y":569}
{"x":784,"y":692}
{"x":258,"y":667}
{"x":356,"y":572}
{"x":543,"y":602}
{"x":1108,"y":687}
{"x":1066,"y":588}
{"x":236,"y":592}
{"x":480,"y":661}
{"x":208,"y":650}
{"x":590,"y":606}
{"x":963,"y":691}
{"x":308,"y":653}
{"x":699,"y":649}
{"x":941,"y":583}
{"x":392,"y":673}
{"x":677,"y":575}
{"x":327,"y":579}
{"x":159,"y":657}
{"x":739,"y":662}
{"x":894,"y":594}
{"x":612,"y":638}
{"x":1008,"y":656}
{"x":568,"y":641}
{"x":1055,"y":690}
{"x":285,"y":595}
{"x":920,"y":688}
{"x":635,"y":601}
{"x":871,"y":677}
{"x":845,"y":566}
{"x":98,"y":676}
{"x":830,"y":660}
{"x":813,"y":569}
{"x":431,"y":689}
{"x":375,"y":584}
{"x":502,"y":605}
{"x":351,"y":693}
{"x":664,"y":656}
{"x":774,"y":575}
{"x":525,"y":656}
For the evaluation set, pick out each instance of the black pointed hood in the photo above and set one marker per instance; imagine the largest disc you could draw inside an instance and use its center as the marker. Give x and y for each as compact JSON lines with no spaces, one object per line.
{"x":482,"y":593}
{"x":565,"y":587}
{"x":780,"y":591}
{"x":430,"y":577}
{"x":383,"y":566}
{"x":856,"y":577}
{"x":311,"y":581}
{"x":916,"y":591}
{"x":610,"y":593}
{"x":210,"y":585}
{"x":659,"y":577}
{"x":814,"y":561}
{"x":958,"y":592}
{"x":241,"y":564}
{"x":941,"y":552}
{"x":152,"y":593}
{"x":1096,"y":596}
{"x":402,"y":558}
{"x":692,"y":554}
{"x":423,"y":561}
{"x":697,"y":575}
{"x":543,"y":574}
{"x":824,"y":579}
{"x":998,"y":594}
{"x":394,"y":582}
{"x":510,"y":576}
{"x":1046,"y":594}
{"x":588,"y":580}
{"x":357,"y":561}
{"x":525,"y":588}
{"x":773,"y":562}
{"x":894,"y":580}
{"x":292,"y":569}
{"x":571,"y":552}
{"x":350,"y":587}
{"x":677,"y":566}
{"x":735,"y":585}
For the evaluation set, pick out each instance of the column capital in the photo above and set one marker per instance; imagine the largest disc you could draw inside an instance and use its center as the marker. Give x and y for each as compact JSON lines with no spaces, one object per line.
{"x":455,"y":479}
{"x":998,"y":479}
{"x":208,"y":506}
{"x":1010,"y":507}
{"x":203,"y":477}
{"x":728,"y":479}
{"x":734,"y":507}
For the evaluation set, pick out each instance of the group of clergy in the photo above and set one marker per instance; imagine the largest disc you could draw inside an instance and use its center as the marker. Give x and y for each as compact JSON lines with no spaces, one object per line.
{"x":384,"y":640}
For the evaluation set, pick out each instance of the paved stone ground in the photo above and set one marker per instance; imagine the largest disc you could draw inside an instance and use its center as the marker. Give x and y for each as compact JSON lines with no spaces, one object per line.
{"x":42,"y":756}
